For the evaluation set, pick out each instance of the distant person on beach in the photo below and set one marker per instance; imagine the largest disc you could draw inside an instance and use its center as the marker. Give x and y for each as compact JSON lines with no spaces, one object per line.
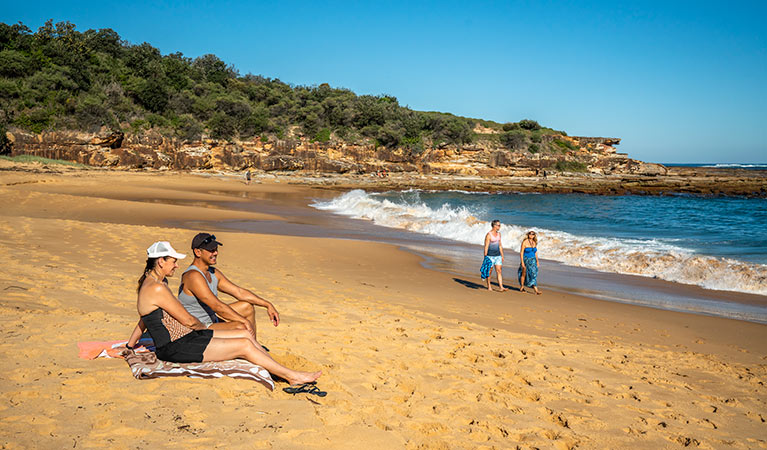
{"x":247,"y":177}
{"x":528,"y":263}
{"x":201,"y":283}
{"x":493,"y":255}
{"x":180,"y":337}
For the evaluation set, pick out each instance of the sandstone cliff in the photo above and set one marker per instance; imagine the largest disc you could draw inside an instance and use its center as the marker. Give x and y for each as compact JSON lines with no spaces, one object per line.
{"x":485,"y":158}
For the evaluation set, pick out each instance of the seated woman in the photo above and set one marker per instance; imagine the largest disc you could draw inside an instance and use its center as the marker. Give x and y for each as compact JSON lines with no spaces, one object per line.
{"x":180,"y":337}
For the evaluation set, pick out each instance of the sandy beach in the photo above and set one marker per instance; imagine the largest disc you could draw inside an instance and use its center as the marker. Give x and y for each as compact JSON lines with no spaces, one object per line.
{"x":411,"y":357}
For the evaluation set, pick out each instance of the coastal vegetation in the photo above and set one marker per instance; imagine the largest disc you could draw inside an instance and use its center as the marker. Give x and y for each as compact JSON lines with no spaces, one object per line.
{"x":41,"y":160}
{"x":570,"y":166}
{"x":58,"y":78}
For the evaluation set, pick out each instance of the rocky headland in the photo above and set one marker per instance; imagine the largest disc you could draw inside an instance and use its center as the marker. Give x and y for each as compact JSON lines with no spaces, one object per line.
{"x":581,"y":165}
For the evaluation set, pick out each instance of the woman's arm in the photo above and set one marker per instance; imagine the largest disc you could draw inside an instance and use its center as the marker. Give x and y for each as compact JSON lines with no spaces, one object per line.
{"x":136,"y":335}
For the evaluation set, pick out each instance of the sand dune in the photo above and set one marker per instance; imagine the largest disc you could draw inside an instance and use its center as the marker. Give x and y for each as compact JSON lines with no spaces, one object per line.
{"x":410,"y":357}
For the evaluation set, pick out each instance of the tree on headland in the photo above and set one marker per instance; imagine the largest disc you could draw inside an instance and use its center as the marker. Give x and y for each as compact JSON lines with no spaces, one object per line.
{"x":60,"y":78}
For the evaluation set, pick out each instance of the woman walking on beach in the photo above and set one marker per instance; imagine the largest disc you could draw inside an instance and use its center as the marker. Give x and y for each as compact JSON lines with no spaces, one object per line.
{"x":528,"y":263}
{"x":180,"y":337}
{"x":493,"y":255}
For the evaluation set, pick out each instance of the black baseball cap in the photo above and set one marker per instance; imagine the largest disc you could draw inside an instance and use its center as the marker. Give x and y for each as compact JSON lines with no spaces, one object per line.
{"x":205,"y":241}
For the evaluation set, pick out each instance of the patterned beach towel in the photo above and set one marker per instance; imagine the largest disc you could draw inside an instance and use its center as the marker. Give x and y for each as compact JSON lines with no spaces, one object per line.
{"x":145,"y":365}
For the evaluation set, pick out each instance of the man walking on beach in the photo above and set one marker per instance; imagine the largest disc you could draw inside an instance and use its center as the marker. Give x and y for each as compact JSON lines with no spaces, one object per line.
{"x":200,"y":284}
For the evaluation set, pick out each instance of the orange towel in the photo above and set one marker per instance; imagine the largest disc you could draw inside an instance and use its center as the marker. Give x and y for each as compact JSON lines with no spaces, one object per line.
{"x":108,"y":349}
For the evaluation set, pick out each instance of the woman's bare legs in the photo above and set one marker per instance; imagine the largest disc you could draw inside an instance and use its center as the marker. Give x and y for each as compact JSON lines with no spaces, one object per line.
{"x":222,"y":349}
{"x":498,"y":270}
{"x":522,"y":280}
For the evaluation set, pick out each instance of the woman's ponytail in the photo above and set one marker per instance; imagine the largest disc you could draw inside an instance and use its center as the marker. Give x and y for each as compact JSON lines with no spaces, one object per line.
{"x":150,"y":263}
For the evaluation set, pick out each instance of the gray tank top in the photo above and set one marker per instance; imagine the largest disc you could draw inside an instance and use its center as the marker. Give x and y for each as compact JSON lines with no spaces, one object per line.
{"x":198,"y":309}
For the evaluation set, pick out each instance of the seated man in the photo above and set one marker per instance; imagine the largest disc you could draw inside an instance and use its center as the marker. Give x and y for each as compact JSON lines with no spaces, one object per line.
{"x":200,"y":284}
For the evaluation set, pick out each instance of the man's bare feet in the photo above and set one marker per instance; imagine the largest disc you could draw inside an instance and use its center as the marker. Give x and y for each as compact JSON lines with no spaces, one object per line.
{"x":303,"y":377}
{"x":502,"y":289}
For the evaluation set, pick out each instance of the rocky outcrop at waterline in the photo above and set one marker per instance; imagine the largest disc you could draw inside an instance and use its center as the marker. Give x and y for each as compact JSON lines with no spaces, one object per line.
{"x":485,"y":158}
{"x":585,"y":164}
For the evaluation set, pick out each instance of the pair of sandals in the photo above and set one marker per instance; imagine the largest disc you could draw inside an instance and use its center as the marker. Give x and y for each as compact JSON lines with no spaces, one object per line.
{"x":309,"y":388}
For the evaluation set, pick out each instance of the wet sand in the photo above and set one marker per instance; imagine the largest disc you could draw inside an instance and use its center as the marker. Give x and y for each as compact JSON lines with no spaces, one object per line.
{"x":411,"y":357}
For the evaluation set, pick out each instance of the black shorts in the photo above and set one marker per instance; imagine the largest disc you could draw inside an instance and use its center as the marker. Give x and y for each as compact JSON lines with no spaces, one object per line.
{"x":187,"y":349}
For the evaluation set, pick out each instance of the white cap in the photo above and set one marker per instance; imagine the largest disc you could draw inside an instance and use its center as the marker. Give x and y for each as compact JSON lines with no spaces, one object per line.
{"x":163,"y":248}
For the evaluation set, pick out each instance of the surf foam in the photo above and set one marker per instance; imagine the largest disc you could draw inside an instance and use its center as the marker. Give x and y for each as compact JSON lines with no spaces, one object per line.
{"x":650,"y":258}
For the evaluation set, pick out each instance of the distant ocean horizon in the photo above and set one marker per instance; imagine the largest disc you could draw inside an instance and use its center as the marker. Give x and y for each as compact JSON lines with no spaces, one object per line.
{"x":752,"y":166}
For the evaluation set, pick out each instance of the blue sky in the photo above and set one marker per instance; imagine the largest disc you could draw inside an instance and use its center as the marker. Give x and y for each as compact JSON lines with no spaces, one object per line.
{"x":677,"y":81}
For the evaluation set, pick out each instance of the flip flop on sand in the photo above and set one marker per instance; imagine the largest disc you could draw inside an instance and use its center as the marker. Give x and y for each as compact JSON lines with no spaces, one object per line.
{"x":309,"y":388}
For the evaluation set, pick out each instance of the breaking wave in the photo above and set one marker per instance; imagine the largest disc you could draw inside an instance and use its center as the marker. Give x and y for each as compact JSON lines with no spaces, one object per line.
{"x":650,"y":257}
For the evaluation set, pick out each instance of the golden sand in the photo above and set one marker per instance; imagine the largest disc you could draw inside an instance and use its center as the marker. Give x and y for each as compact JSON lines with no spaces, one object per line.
{"x":411,"y":358}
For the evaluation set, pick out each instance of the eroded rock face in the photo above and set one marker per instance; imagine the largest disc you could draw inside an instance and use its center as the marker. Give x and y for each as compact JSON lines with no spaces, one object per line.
{"x":152,"y":150}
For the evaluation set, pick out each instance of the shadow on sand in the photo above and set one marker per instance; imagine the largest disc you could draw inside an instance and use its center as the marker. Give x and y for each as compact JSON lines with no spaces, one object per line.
{"x":473,"y":285}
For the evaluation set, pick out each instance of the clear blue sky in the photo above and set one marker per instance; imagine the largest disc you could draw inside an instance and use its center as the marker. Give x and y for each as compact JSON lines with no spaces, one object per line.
{"x":677,"y":81}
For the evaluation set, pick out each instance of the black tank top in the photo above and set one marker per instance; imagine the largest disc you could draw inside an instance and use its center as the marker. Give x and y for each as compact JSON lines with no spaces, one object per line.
{"x":163,"y":328}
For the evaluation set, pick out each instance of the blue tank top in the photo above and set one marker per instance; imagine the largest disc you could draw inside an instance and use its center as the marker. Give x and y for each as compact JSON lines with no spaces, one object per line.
{"x":530,"y":252}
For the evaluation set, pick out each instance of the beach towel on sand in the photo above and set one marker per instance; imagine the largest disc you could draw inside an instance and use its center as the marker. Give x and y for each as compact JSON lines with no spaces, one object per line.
{"x":108,"y":349}
{"x":145,"y":365}
{"x":486,"y":268}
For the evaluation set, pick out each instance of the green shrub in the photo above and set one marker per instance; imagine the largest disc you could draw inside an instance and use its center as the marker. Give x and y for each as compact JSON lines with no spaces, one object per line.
{"x":16,"y":64}
{"x":91,"y":114}
{"x":35,"y":120}
{"x":514,"y":139}
{"x":9,"y":89}
{"x":564,"y":146}
{"x":187,"y":128}
{"x":5,"y":143}
{"x":157,"y":121}
{"x":222,"y":126}
{"x":414,"y":145}
{"x":528,"y":124}
{"x":533,"y":148}
{"x":570,"y":166}
{"x":510,"y":126}
{"x":152,"y":95}
{"x":323,"y":135}
{"x":139,"y":125}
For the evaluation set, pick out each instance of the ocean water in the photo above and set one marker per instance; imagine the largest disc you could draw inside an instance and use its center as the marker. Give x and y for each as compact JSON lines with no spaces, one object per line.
{"x":752,"y":166}
{"x":717,"y":243}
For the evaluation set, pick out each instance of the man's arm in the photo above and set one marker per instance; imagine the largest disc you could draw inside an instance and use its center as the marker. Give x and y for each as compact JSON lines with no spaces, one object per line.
{"x":242,"y":294}
{"x":195,"y":283}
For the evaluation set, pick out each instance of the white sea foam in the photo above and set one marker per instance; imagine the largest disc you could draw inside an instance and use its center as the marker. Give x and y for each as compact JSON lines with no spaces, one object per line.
{"x":650,"y":258}
{"x":738,"y":166}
